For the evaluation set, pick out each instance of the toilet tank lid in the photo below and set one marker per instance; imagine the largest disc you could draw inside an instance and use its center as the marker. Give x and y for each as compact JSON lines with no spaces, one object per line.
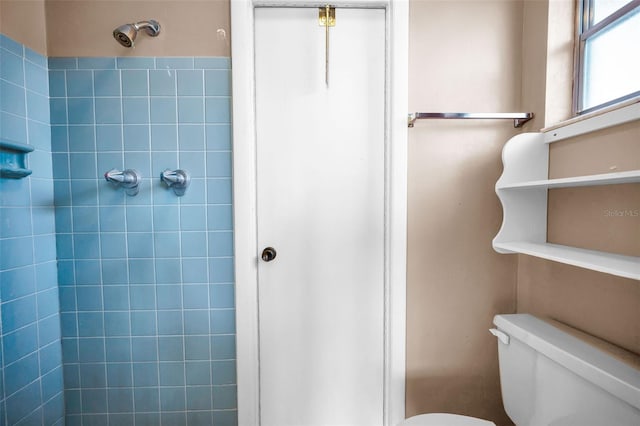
{"x":591,"y":363}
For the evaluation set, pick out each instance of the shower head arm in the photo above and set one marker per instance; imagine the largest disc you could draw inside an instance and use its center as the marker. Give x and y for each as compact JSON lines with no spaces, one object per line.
{"x":151,"y":27}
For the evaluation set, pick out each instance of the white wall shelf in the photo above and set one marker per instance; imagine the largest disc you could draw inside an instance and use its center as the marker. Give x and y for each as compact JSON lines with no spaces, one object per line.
{"x":591,"y":180}
{"x":616,"y":264}
{"x":522,"y":190}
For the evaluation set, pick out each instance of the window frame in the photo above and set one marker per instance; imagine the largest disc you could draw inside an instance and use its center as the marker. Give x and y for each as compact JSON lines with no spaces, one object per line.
{"x":585,"y":31}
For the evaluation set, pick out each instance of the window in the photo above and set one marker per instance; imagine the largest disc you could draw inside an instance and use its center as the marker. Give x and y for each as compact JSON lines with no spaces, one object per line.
{"x":608,"y":53}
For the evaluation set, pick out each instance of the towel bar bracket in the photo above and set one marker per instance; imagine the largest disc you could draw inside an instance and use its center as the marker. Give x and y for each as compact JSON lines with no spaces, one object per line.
{"x":519,"y":118}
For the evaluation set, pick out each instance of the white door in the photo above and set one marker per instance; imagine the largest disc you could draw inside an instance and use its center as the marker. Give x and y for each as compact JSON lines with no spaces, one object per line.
{"x":320,"y":205}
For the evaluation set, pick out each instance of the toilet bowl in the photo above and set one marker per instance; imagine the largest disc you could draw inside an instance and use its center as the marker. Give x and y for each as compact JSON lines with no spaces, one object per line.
{"x":549,"y":377}
{"x":443,"y":419}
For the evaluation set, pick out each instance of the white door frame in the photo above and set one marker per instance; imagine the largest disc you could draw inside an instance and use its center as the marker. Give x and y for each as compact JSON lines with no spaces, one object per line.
{"x":244,"y":189}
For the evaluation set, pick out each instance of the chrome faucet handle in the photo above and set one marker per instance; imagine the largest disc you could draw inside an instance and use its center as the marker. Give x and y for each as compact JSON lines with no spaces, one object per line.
{"x":129,"y":179}
{"x":178,"y":180}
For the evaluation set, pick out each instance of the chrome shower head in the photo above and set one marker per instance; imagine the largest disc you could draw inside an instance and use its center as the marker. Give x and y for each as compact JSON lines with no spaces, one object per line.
{"x":126,"y":34}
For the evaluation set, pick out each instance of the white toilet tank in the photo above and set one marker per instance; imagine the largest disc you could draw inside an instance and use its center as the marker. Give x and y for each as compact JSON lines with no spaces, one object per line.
{"x":549,"y":377}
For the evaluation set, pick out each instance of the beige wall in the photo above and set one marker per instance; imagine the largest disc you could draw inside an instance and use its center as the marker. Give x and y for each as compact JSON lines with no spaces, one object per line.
{"x":464,"y":56}
{"x":189,"y":27}
{"x":24,"y":21}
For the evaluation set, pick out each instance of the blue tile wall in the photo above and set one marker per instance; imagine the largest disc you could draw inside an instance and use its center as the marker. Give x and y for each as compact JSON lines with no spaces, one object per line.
{"x":31,"y":374}
{"x":146,"y":282}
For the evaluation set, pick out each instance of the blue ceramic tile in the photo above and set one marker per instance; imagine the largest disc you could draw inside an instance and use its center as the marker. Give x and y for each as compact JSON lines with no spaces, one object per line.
{"x":108,"y":138}
{"x":174,"y":63}
{"x":224,"y":397}
{"x":114,"y":272}
{"x":196,"y":347}
{"x":220,"y":244}
{"x":46,"y":276}
{"x":198,"y":397}
{"x":175,"y":419}
{"x":196,"y":322}
{"x":57,"y":84}
{"x":220,"y":217}
{"x":119,"y":375}
{"x":162,"y":83}
{"x":50,"y":357}
{"x":197,"y":192}
{"x":120,"y":400}
{"x":145,"y":373}
{"x":222,"y":295}
{"x":44,"y":248}
{"x":135,"y":63}
{"x":163,"y":110}
{"x":117,"y":324}
{"x":16,"y":252}
{"x":172,"y":374}
{"x":166,"y":218}
{"x":171,"y":348}
{"x":90,"y":349}
{"x":118,"y":349}
{"x":108,"y":111}
{"x":89,"y":298}
{"x":87,"y":272}
{"x":172,"y":399}
{"x":196,"y":296}
{"x":82,"y":139}
{"x":63,"y":63}
{"x":198,"y":373}
{"x":217,"y":83}
{"x":193,"y":218}
{"x":59,"y":139}
{"x":113,"y":245}
{"x":212,"y":63}
{"x":38,"y":107}
{"x":18,"y":313}
{"x":36,"y":79}
{"x":23,"y":402}
{"x":136,"y":137}
{"x":221,"y":270}
{"x":15,"y":222}
{"x":67,"y":299}
{"x":85,"y":219}
{"x":191,"y":137}
{"x":147,"y":400}
{"x":166,"y":244}
{"x":135,"y":110}
{"x":140,"y":245}
{"x":223,"y":321}
{"x":168,"y":271}
{"x":223,"y":372}
{"x":190,"y":83}
{"x":66,"y":273}
{"x":12,"y":68}
{"x":72,"y":376}
{"x":21,"y":373}
{"x":18,"y":282}
{"x":135,"y":83}
{"x":190,"y":110}
{"x":22,"y":342}
{"x":58,"y":111}
{"x":219,"y":191}
{"x":53,"y":411}
{"x":80,"y":110}
{"x":223,"y":347}
{"x":94,"y":401}
{"x":84,"y":192}
{"x":11,"y":45}
{"x":141,"y":271}
{"x":13,"y":99}
{"x":36,"y":58}
{"x":13,"y":128}
{"x":143,"y":323}
{"x":219,"y":164}
{"x":40,"y":163}
{"x":40,"y":134}
{"x":217,"y":110}
{"x":144,"y":348}
{"x":169,"y":323}
{"x":116,"y":298}
{"x":164,"y":138}
{"x":93,"y":375}
{"x":79,"y":84}
{"x":169,"y":297}
{"x":69,"y":348}
{"x":90,"y":324}
{"x":194,"y":244}
{"x":97,"y":63}
{"x":142,"y":297}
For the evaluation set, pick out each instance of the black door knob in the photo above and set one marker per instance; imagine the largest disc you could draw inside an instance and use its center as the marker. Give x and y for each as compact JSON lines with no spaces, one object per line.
{"x":268,"y":254}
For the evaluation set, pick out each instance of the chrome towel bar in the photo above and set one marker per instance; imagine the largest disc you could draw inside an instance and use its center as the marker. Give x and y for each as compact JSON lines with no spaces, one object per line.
{"x":519,"y":118}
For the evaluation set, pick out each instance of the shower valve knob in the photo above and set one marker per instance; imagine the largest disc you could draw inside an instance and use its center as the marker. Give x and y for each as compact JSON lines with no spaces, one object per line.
{"x":268,"y":254}
{"x":178,"y":180}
